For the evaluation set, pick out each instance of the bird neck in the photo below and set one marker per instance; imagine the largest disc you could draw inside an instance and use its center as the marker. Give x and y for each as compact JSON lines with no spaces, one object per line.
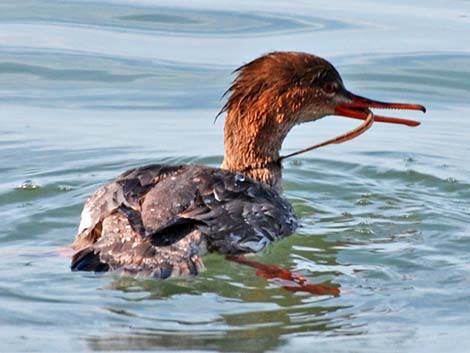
{"x":252,"y":143}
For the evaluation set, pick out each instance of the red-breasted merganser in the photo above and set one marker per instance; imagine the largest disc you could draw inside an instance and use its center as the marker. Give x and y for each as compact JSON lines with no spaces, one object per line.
{"x":160,"y":219}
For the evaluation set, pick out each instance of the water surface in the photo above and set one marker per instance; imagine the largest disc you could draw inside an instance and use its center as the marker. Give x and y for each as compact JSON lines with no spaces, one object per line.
{"x":89,"y":89}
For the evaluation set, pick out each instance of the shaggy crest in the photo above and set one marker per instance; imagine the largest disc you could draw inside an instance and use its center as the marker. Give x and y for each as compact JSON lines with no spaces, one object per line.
{"x":273,"y":75}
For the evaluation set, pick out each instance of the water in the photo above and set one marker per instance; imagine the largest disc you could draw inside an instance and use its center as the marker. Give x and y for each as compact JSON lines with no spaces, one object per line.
{"x":91,"y":88}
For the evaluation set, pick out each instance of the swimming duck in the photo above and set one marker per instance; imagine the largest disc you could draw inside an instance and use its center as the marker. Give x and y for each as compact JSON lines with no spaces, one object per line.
{"x":160,"y":219}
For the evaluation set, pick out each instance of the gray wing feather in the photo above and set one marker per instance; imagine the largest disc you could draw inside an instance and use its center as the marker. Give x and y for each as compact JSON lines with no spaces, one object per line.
{"x":166,"y":204}
{"x":124,"y":191}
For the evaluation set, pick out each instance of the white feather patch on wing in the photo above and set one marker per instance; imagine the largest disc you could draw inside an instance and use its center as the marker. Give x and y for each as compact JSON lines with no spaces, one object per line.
{"x":86,"y":220}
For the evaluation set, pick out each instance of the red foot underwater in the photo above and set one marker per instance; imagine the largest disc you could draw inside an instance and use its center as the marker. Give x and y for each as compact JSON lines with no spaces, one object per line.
{"x":288,"y":280}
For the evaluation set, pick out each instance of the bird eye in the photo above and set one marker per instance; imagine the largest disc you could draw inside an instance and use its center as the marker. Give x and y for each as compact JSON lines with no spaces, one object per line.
{"x":330,"y":88}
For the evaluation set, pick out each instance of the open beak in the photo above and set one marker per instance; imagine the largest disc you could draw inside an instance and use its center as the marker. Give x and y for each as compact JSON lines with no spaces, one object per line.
{"x":358,"y":108}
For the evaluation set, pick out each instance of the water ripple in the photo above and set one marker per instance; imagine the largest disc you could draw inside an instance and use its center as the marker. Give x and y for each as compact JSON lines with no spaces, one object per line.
{"x":440,"y":77}
{"x":87,"y":81}
{"x":92,"y":88}
{"x":169,"y":21}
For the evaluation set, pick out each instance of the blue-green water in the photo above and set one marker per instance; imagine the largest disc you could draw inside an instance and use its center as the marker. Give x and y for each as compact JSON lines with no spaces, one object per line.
{"x":91,"y":88}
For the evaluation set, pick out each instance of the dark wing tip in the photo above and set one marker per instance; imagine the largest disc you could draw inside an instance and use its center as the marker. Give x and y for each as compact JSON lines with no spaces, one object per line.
{"x":87,"y":260}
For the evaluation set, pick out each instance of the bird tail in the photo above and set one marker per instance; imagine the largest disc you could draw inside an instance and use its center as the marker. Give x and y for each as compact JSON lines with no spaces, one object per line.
{"x":88,"y":260}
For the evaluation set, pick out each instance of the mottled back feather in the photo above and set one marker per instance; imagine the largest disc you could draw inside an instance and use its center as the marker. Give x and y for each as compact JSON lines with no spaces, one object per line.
{"x":149,"y":212}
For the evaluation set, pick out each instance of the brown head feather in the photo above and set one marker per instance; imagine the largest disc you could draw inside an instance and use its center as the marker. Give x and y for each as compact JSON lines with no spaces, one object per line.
{"x":268,"y":97}
{"x":275,"y":74}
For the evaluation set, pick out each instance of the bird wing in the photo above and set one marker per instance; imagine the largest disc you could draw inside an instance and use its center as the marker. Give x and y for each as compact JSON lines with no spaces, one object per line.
{"x":166,"y":203}
{"x":123,"y":194}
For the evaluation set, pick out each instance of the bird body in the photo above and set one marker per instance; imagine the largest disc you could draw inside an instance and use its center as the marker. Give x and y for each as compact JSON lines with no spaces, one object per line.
{"x":160,"y":219}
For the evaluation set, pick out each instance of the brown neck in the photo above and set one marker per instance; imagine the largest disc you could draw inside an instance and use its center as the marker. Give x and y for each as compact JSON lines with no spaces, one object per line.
{"x":269,"y":96}
{"x":252,"y":145}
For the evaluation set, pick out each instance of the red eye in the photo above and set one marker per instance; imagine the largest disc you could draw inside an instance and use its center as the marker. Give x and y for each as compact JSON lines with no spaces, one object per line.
{"x":330,"y":88}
